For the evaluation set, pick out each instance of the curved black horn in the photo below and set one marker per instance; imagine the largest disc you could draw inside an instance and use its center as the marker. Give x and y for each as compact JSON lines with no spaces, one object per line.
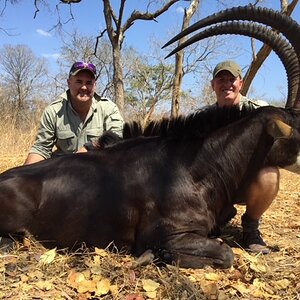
{"x":280,"y":46}
{"x":277,"y":20}
{"x":282,"y":23}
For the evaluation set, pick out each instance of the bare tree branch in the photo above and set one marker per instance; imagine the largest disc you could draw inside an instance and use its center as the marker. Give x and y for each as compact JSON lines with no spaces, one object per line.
{"x":70,"y":1}
{"x":119,"y":22}
{"x":136,"y":15}
{"x":36,"y":9}
{"x":97,"y":41}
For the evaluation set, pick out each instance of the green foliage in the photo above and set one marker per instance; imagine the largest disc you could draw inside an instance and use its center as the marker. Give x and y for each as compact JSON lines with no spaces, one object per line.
{"x":148,"y":85}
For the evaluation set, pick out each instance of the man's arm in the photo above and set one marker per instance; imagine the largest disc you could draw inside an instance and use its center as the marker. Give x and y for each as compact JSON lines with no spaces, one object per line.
{"x":114,"y":121}
{"x":45,"y":138}
{"x":33,"y":158}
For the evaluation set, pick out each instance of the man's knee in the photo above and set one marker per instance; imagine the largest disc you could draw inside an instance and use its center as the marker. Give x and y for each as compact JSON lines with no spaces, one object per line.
{"x":264,"y":185}
{"x":268,"y":178}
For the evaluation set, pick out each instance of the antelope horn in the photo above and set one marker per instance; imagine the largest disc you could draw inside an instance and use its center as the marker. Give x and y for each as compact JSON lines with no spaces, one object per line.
{"x":280,"y":46}
{"x":283,"y":23}
{"x":277,"y":20}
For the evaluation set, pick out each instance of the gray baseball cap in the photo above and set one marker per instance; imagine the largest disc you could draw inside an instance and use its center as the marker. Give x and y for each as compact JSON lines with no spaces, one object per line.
{"x":230,"y":66}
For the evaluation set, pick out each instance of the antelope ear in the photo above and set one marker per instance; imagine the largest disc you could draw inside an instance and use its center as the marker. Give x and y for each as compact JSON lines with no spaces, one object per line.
{"x":278,"y":129}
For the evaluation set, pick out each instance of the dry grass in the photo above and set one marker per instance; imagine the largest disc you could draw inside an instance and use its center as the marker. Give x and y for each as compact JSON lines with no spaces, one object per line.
{"x":15,"y":141}
{"x":32,"y":272}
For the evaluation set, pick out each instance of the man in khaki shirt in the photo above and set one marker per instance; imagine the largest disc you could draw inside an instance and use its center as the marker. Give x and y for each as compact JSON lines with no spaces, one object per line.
{"x":227,"y":83}
{"x":76,"y":119}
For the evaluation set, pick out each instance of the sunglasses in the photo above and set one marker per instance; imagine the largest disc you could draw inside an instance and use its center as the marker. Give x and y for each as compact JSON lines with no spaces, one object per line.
{"x":80,"y":65}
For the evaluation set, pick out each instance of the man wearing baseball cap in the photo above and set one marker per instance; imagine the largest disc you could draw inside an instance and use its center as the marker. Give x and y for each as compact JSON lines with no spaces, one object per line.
{"x":227,"y":83}
{"x":76,"y":119}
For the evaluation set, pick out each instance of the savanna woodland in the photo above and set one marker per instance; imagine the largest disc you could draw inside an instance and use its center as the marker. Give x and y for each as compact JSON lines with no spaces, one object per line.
{"x":145,"y":86}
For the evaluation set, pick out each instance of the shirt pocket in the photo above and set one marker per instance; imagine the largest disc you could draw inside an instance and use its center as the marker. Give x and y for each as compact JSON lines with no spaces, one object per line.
{"x":94,"y":134}
{"x":66,"y":141}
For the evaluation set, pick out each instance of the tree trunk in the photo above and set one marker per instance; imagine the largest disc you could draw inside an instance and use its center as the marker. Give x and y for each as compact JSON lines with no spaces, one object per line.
{"x":118,"y":77}
{"x":179,"y":56}
{"x":116,"y":31}
{"x":177,"y":84}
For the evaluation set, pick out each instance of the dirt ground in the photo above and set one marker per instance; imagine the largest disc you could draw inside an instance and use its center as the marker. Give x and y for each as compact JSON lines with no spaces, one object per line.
{"x":30,"y":271}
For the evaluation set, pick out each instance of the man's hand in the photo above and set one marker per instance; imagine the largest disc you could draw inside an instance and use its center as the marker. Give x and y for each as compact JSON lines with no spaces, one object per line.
{"x":81,"y":150}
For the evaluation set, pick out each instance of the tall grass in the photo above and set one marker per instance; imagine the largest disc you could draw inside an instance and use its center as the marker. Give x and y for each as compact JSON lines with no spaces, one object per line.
{"x":17,"y":135}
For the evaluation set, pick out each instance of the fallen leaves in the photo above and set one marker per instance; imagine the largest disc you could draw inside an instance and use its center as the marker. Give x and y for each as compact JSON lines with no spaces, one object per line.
{"x":247,"y":260}
{"x":212,"y":276}
{"x":101,"y":274}
{"x":48,"y":257}
{"x":45,"y":285}
{"x":94,"y":281}
{"x":281,"y":284}
{"x":241,"y":288}
{"x":150,"y":287}
{"x":85,"y":283}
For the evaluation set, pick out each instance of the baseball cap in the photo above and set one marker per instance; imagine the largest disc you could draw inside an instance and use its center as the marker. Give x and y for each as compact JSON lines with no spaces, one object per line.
{"x":230,"y":66}
{"x":79,"y":66}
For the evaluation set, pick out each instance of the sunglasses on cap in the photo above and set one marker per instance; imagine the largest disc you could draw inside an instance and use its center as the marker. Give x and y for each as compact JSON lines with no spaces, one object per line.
{"x":80,"y":65}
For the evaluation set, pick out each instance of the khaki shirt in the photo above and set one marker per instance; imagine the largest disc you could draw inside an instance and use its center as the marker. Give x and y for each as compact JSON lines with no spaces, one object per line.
{"x":62,"y":127}
{"x":252,"y":103}
{"x":249,"y":103}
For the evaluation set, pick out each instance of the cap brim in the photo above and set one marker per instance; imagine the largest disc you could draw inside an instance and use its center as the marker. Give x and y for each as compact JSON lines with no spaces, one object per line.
{"x":233,"y":72}
{"x":79,"y":70}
